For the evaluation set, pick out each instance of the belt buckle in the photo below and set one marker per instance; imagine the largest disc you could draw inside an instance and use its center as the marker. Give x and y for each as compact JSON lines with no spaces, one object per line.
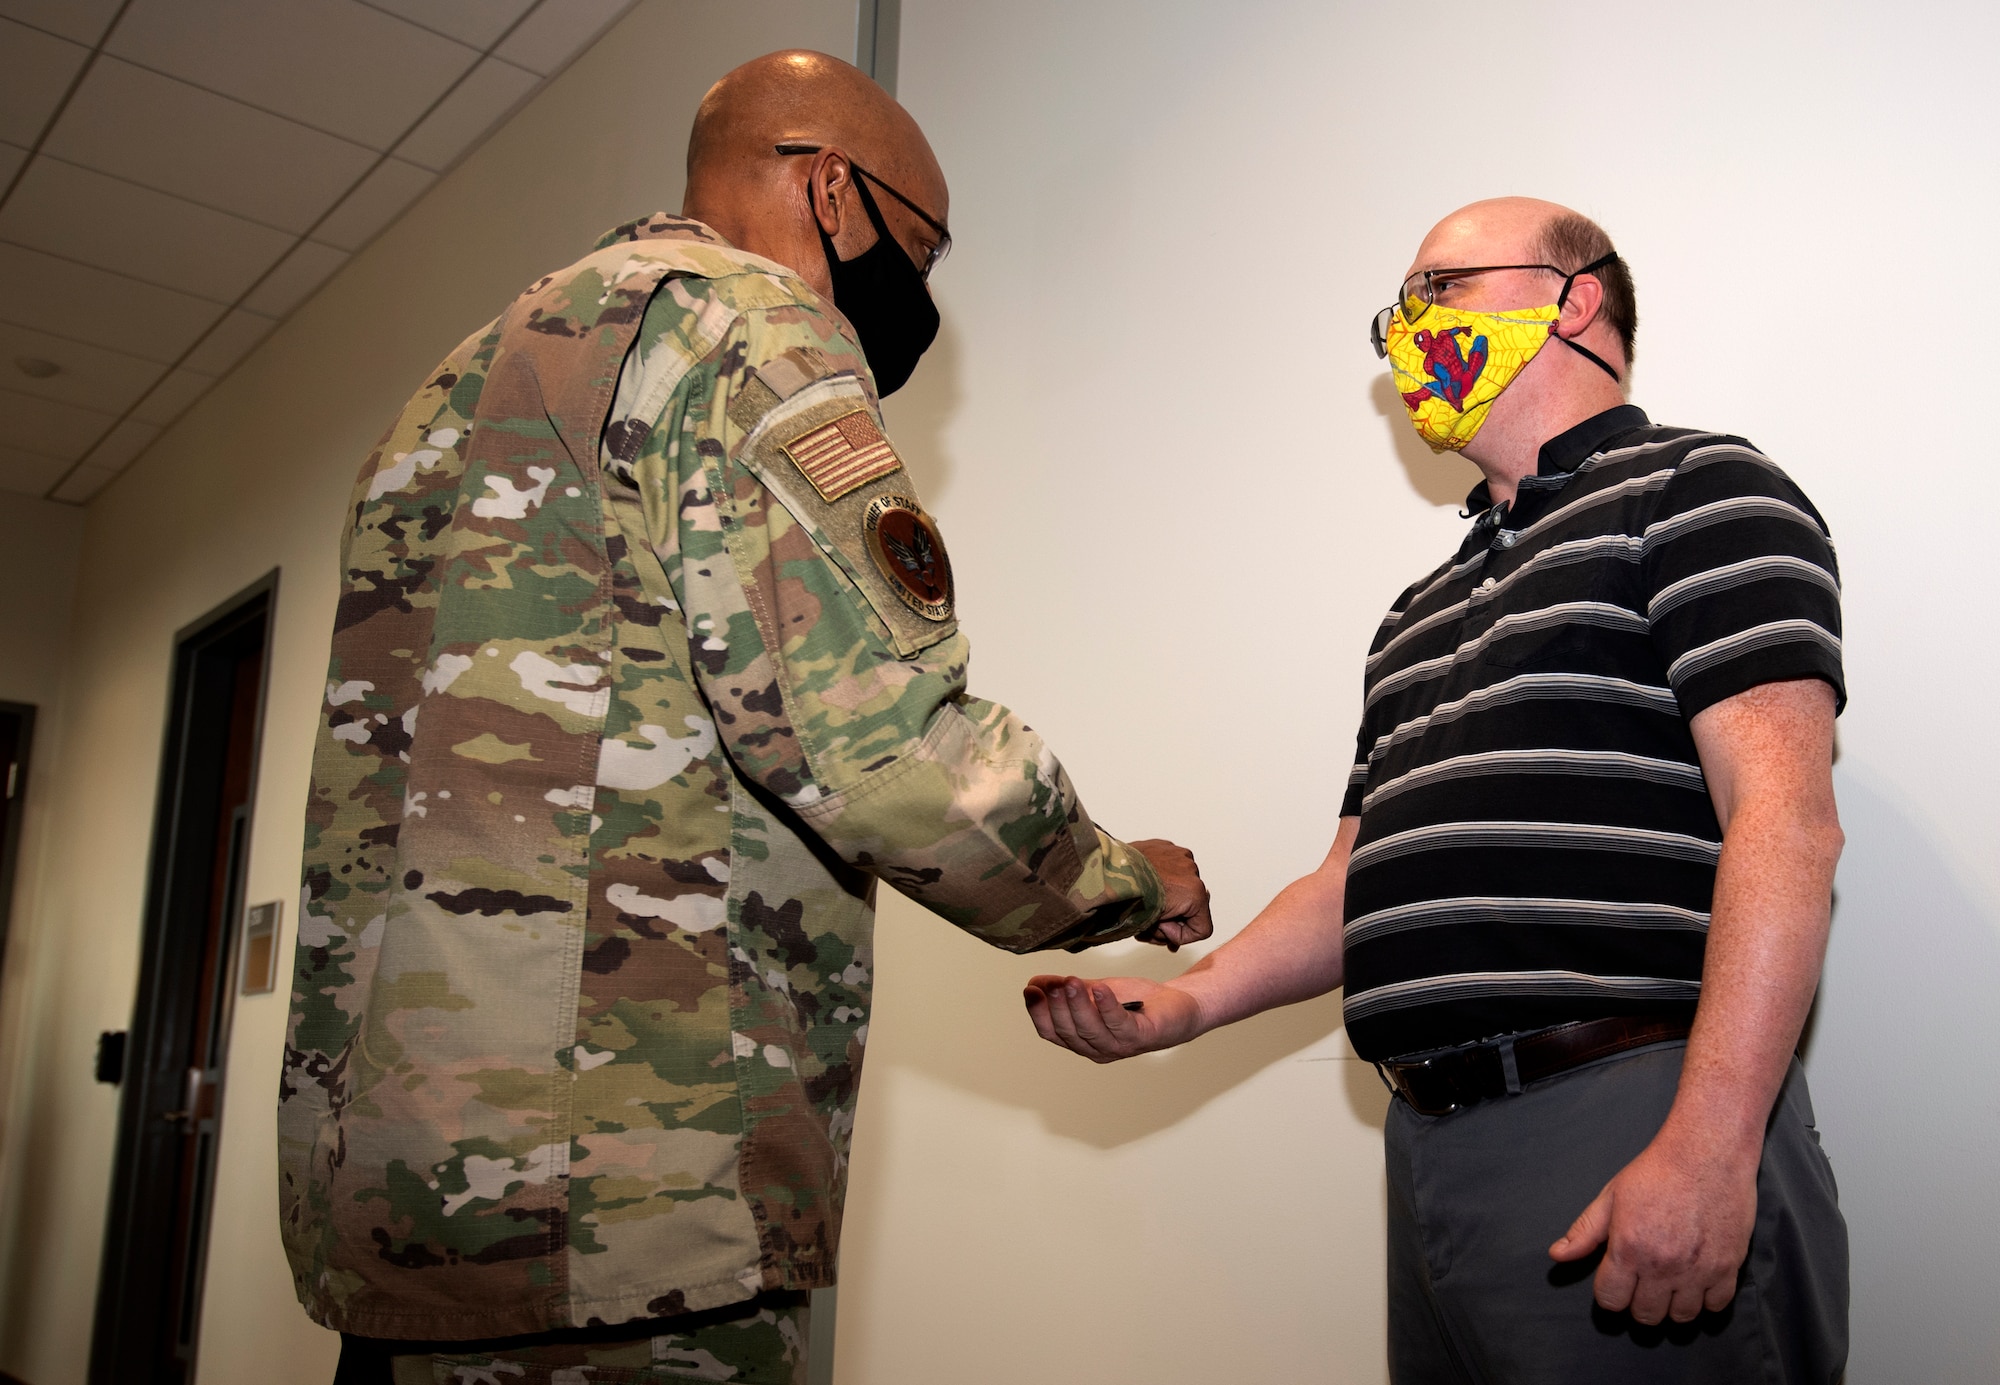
{"x":1403,"y":1086}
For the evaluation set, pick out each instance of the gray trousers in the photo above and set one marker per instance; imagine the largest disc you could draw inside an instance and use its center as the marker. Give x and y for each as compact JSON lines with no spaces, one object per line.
{"x":1477,"y":1197}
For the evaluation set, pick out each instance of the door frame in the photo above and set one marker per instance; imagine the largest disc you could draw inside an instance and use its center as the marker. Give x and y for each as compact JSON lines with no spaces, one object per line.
{"x":10,"y":841}
{"x":139,"y":1228}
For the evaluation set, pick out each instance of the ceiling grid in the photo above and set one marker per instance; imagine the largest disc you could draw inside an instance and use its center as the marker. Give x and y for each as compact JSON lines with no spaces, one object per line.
{"x":178,"y":176}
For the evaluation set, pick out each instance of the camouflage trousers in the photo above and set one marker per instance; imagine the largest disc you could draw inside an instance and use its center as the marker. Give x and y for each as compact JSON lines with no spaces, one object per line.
{"x":762,"y":1343}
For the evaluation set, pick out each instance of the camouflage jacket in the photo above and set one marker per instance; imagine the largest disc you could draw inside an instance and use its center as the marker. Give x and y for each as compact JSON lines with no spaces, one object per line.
{"x":644,"y":672}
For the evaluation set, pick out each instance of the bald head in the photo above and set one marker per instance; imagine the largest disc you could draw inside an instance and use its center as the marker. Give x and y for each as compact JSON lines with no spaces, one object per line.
{"x":766,"y":202}
{"x":802,"y":97}
{"x":1527,"y":230}
{"x":1508,"y":226}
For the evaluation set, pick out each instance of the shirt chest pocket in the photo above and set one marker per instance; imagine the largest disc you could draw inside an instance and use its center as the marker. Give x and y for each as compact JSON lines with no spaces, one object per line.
{"x":1537,"y":650}
{"x":1574,"y":619}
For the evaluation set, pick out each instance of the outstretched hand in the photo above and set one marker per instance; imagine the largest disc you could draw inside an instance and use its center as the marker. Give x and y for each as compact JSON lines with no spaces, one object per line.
{"x":1184,"y":908}
{"x":1089,"y":1017}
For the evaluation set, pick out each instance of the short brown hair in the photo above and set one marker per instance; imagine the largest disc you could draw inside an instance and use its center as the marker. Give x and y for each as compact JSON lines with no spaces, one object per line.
{"x":1569,"y":242}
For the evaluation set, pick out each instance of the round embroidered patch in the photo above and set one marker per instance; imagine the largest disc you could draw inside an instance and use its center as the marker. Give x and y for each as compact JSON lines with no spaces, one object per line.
{"x":909,"y":551}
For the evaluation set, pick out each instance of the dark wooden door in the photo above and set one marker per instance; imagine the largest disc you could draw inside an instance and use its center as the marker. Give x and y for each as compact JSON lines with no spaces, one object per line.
{"x":156,"y":1247}
{"x":17,"y":726}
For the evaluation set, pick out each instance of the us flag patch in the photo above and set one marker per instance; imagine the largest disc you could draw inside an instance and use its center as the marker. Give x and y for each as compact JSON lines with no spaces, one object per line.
{"x":843,"y":455}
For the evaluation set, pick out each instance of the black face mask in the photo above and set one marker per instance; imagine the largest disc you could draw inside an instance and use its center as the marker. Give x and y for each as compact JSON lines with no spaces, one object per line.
{"x":882,"y":292}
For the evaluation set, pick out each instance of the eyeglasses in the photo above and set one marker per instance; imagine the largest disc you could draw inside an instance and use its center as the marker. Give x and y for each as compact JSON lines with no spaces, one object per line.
{"x":1419,"y":293}
{"x":938,"y":251}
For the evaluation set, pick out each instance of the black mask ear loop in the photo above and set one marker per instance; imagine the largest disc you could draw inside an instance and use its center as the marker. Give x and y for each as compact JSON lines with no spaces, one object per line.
{"x":860,"y":185}
{"x":875,"y":215}
{"x":1563,"y":298}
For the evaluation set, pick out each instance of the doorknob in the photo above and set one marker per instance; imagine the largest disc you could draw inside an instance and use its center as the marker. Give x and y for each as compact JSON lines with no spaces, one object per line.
{"x":193,"y":1099}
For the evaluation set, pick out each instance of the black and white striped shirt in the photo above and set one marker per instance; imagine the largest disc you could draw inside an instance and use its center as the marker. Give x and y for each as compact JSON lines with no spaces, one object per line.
{"x":1537,"y":843}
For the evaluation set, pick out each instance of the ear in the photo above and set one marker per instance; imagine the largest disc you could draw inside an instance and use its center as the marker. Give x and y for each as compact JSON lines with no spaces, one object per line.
{"x":827,"y":182}
{"x":1584,"y":306}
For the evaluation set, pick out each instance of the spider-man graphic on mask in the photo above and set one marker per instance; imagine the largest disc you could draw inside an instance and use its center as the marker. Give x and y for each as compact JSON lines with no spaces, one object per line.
{"x":1452,"y":374}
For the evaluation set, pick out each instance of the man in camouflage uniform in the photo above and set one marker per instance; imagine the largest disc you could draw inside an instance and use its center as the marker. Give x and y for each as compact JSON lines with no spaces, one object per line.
{"x":645,"y":671}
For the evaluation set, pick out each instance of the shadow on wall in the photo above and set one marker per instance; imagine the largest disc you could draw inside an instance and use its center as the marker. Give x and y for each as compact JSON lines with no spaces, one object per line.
{"x":964,"y":999}
{"x":918,"y":414}
{"x":967,"y":1003}
{"x":1442,"y":478}
{"x":1907,"y":1100}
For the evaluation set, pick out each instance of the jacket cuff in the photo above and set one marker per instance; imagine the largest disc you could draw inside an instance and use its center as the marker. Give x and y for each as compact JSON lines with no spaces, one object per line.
{"x":1127,"y":901}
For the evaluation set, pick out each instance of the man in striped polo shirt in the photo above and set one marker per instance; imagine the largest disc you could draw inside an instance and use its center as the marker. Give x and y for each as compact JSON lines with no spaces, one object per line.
{"x":1579,"y":893}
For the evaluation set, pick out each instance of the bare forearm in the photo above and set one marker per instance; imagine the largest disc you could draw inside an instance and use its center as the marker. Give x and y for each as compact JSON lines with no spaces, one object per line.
{"x":1290,"y":952}
{"x":1766,"y":940}
{"x":1768,"y":757}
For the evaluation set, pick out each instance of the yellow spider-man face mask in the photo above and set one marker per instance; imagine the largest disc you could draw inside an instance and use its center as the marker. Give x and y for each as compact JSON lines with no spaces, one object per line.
{"x":1451,"y":369}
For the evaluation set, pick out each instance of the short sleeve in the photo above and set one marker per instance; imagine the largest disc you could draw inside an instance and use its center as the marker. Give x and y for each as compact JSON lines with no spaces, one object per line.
{"x":1740,"y":580}
{"x":1357,"y":775}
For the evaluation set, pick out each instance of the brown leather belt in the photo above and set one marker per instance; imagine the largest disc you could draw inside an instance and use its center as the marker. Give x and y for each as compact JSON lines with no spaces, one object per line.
{"x":1456,"y":1077}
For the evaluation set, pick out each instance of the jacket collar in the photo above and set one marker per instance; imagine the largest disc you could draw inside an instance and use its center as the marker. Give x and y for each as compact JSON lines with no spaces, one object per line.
{"x":659,"y":226}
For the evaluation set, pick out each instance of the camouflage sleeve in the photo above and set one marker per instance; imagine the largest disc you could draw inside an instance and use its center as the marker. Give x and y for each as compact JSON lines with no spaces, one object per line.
{"x":818,"y":603}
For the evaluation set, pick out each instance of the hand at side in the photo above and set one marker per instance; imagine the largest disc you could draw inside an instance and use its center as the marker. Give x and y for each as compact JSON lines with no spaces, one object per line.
{"x":1675,"y":1224}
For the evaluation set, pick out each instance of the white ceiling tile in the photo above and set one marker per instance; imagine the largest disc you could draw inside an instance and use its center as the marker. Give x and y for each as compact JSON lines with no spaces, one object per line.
{"x":490,"y":91}
{"x":337,"y":65}
{"x":82,"y":20}
{"x":378,"y":201}
{"x":84,"y":215}
{"x":477,"y":22}
{"x":83,"y":483}
{"x":171,"y":397}
{"x":308,"y":266}
{"x":181,"y":139}
{"x":557,"y":31}
{"x":24,"y":473}
{"x":11,"y":160}
{"x":35,"y":70}
{"x":91,"y":377}
{"x":229,"y":343}
{"x":124,"y":442}
{"x":48,"y":427}
{"x":97,"y":306}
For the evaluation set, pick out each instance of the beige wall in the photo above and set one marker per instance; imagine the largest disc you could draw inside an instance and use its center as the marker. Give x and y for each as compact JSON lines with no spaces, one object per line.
{"x":1178,"y":498}
{"x":256,"y":477}
{"x":39,"y":546}
{"x":39,"y":543}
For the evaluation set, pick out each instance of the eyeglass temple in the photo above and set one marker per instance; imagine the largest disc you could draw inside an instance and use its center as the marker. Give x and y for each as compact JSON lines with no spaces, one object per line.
{"x":919,"y":212}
